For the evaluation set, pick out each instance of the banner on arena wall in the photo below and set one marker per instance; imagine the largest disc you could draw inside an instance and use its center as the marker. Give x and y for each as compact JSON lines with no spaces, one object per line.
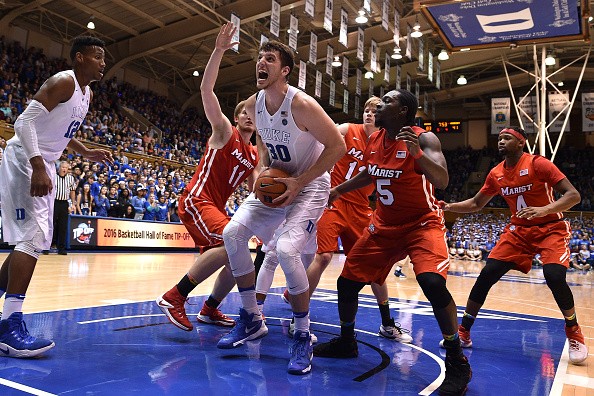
{"x":328,"y":8}
{"x":387,"y":68}
{"x":557,"y":103}
{"x":318,"y":90}
{"x":396,"y":28}
{"x":385,"y":14}
{"x":528,"y":105}
{"x":344,"y":24}
{"x":357,"y":105}
{"x":360,"y":44}
{"x":398,"y":75}
{"x":302,"y":74}
{"x":437,"y":75}
{"x":310,"y":7}
{"x":588,"y":112}
{"x":313,"y":48}
{"x":294,"y":26}
{"x":345,"y":102}
{"x":430,"y":66}
{"x":408,"y":82}
{"x":332,"y":93}
{"x":373,"y":56}
{"x":345,"y":71}
{"x":421,"y":63}
{"x":275,"y":18}
{"x":500,"y":110}
{"x":91,"y":232}
{"x":359,"y":78}
{"x":329,"y":59}
{"x":236,"y":21}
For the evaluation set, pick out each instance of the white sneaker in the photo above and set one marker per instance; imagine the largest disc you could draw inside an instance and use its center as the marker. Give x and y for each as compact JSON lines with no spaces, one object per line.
{"x":314,"y":338}
{"x":395,"y":332}
{"x":578,"y":351}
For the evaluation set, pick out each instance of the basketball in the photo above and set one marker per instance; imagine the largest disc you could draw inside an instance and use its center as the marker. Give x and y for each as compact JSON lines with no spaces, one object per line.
{"x":267,"y":189}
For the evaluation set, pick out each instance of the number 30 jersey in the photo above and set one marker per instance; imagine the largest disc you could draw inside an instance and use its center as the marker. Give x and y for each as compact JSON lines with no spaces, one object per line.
{"x":290,"y":148}
{"x":404,"y":194}
{"x":529,"y":183}
{"x":56,"y":128}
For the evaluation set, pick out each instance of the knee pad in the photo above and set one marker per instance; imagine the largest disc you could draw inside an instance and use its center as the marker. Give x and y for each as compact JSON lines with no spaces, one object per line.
{"x":266,"y":274}
{"x":28,"y":248}
{"x":234,"y":235}
{"x":290,"y":260}
{"x":434,"y":288}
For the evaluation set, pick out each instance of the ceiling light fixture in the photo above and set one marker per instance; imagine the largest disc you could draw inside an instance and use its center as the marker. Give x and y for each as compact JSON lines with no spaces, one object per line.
{"x":396,"y":54}
{"x":464,"y":49}
{"x":91,"y":25}
{"x":289,"y":31}
{"x":196,"y":73}
{"x":443,"y":55}
{"x":362,"y":18}
{"x":560,"y":83}
{"x":336,"y":62}
{"x":462,"y":80}
{"x":416,"y":32}
{"x":550,"y":60}
{"x":369,"y":75}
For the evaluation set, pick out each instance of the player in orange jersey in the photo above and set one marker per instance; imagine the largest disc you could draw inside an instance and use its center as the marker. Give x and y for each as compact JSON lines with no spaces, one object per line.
{"x":527,"y":183}
{"x":228,"y":160}
{"x":404,"y":163}
{"x":350,"y":214}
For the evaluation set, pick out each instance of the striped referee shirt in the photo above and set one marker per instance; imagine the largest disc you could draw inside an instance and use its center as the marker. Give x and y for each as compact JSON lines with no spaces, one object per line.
{"x":63,"y":187}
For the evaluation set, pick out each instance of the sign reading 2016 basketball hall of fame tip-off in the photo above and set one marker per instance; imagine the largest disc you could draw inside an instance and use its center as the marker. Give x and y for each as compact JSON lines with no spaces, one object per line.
{"x":106,"y":232}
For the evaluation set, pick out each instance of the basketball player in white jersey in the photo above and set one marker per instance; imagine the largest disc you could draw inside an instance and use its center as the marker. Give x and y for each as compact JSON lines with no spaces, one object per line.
{"x":27,"y":173}
{"x":303,"y":141}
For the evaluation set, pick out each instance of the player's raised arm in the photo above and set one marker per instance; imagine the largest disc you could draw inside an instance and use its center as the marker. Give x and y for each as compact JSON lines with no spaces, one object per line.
{"x":221,"y":126}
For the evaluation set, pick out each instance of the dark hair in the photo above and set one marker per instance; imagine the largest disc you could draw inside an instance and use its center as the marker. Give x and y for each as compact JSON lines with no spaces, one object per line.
{"x":286,"y":53}
{"x":409,"y":100}
{"x":519,"y":130}
{"x":80,"y":44}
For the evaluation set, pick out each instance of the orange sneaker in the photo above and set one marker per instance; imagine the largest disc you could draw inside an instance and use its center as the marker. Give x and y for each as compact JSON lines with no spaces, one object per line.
{"x":172,"y":305}
{"x":465,"y":341}
{"x":578,"y":351}
{"x":214,"y":316}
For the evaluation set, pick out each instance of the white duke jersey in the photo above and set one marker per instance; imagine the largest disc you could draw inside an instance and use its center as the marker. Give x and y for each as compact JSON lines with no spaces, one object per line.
{"x":56,"y":128}
{"x":290,"y":148}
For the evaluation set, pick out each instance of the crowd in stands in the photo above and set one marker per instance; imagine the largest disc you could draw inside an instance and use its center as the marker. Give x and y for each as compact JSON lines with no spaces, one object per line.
{"x":473,"y":236}
{"x":143,"y":188}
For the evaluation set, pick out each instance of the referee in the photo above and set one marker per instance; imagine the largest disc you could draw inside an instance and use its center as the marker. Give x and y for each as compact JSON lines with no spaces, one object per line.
{"x":64,"y":202}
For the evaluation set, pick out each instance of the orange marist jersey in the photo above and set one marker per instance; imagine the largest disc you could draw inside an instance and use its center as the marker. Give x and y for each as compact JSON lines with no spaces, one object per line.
{"x":351,"y":164}
{"x":221,"y":170}
{"x":403,"y":193}
{"x":529,"y":183}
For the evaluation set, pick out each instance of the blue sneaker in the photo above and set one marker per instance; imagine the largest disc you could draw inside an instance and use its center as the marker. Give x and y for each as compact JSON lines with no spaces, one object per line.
{"x":15,"y":340}
{"x":246,"y":329}
{"x":301,"y":353}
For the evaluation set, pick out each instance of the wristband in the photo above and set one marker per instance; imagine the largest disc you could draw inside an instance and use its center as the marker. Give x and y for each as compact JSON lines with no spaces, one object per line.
{"x":419,"y":154}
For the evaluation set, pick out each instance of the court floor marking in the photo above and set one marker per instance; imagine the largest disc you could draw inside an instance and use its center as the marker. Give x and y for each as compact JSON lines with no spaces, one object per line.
{"x":24,"y":388}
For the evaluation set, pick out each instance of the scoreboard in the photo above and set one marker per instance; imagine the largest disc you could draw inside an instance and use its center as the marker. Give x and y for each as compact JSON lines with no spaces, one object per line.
{"x":443,"y":126}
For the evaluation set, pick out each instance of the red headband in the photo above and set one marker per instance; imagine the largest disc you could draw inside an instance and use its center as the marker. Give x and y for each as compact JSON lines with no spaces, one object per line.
{"x":514,"y":133}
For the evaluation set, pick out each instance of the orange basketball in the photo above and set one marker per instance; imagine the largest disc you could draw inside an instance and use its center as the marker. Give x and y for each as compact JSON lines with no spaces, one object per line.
{"x":267,"y":189}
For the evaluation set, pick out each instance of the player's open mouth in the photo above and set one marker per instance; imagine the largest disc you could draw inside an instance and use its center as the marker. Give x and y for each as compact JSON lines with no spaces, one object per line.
{"x":262,"y":75}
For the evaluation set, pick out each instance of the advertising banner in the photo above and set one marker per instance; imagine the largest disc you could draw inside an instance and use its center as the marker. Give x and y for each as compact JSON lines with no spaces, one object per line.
{"x":86,"y":231}
{"x":588,"y":112}
{"x":558,"y":109}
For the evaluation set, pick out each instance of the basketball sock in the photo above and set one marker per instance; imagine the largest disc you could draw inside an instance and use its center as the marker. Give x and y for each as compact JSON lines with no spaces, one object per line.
{"x":467,"y":321}
{"x":186,"y":285}
{"x":248,"y":299}
{"x":571,"y":320}
{"x":384,"y":308}
{"x":212,"y":302}
{"x":261,"y":307}
{"x":301,"y":321}
{"x":452,"y":344}
{"x":347,"y":330}
{"x":13,"y":303}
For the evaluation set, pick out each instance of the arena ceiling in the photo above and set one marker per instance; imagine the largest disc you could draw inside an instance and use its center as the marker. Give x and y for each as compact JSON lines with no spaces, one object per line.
{"x":167,"y":40}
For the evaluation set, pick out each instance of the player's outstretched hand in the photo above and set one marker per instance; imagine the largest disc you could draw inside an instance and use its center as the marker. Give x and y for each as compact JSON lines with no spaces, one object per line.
{"x":100,"y":155}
